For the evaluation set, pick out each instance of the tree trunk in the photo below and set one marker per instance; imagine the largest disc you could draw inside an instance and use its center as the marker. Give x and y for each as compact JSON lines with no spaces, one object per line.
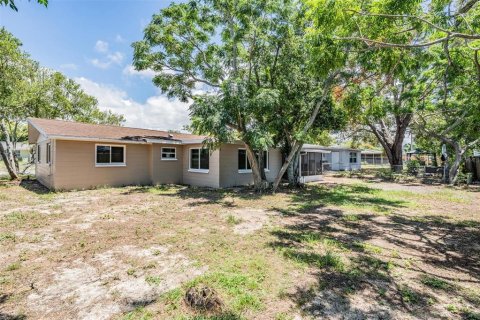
{"x":259,"y":183}
{"x":297,"y":146}
{"x":454,"y":167}
{"x":7,"y":152}
{"x":293,"y":171}
{"x":393,"y":144}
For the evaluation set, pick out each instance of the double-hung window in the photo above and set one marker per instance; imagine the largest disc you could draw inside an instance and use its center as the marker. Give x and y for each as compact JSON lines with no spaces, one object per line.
{"x":353,"y":157}
{"x":169,"y":154}
{"x":199,"y":160}
{"x":243,"y":163}
{"x":109,"y":155}
{"x":49,"y":153}
{"x":39,"y":151}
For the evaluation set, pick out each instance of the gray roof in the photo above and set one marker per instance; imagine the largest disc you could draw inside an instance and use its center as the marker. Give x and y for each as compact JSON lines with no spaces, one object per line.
{"x":332,"y":148}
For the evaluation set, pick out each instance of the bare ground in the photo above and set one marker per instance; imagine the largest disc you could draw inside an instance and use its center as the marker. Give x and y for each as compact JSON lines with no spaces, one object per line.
{"x":342,"y":249}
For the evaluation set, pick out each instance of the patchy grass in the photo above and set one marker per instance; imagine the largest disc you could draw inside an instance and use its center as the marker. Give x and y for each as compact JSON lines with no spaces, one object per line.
{"x":343,"y":248}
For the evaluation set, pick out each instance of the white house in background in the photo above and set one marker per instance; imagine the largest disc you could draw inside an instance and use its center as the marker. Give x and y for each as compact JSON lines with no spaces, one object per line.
{"x":315,"y":159}
{"x":22,"y":150}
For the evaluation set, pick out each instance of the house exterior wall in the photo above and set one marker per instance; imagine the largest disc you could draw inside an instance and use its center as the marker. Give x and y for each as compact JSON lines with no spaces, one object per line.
{"x":201,"y":179}
{"x":344,"y":160}
{"x":229,"y":174}
{"x":44,"y":171}
{"x":167,"y":171}
{"x":75,"y":166}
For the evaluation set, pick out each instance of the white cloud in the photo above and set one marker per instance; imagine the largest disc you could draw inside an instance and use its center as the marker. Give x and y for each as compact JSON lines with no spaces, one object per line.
{"x":114,"y":58}
{"x":157,"y":112}
{"x":119,"y":39}
{"x":130,"y":71}
{"x":101,"y":46}
{"x":69,"y":66}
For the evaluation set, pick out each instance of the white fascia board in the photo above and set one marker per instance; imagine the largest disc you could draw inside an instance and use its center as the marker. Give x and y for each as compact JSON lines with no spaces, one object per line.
{"x":192,"y":141}
{"x":71,"y":138}
{"x":160,"y":141}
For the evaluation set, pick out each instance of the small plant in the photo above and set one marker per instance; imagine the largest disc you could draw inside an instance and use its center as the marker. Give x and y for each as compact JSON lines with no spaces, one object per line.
{"x":153,"y":280}
{"x":435,"y":283}
{"x":13,"y":266}
{"x":231,"y":219}
{"x":409,"y":296}
{"x":131,"y":272}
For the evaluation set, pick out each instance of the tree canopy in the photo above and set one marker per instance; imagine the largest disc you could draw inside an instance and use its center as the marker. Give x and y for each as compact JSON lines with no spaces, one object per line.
{"x":29,"y":90}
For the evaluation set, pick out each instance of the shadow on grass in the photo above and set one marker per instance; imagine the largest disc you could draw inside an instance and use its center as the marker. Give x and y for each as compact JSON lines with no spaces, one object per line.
{"x":315,"y":197}
{"x":204,"y":196}
{"x":359,"y":280}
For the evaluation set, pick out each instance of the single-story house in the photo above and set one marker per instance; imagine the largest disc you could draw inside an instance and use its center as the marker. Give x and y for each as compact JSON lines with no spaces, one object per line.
{"x":316,"y":159}
{"x":73,"y":155}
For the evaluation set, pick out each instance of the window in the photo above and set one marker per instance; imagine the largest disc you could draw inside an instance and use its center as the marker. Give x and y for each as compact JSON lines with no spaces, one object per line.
{"x":39,"y":150}
{"x":353,"y":157}
{"x":49,"y":155}
{"x":244,"y":164}
{"x":169,"y":154}
{"x":199,"y":160}
{"x":110,"y":155}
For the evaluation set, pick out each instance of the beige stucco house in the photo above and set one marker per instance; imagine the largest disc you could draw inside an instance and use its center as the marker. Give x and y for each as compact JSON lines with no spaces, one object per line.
{"x":73,"y":155}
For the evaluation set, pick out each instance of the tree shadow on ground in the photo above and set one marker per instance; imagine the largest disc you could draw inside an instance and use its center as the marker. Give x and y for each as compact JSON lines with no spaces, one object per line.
{"x":203,"y":196}
{"x":6,"y":316}
{"x":356,"y":279}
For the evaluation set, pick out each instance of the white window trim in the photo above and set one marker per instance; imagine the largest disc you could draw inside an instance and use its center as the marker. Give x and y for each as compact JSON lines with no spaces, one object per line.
{"x":48,"y":154}
{"x":117,"y":164}
{"x":39,"y":151}
{"x":196,"y":170}
{"x":168,"y":159}
{"x":267,"y":169}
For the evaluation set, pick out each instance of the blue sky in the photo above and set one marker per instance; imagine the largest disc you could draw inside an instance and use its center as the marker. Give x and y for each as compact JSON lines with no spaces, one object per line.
{"x":90,"y":41}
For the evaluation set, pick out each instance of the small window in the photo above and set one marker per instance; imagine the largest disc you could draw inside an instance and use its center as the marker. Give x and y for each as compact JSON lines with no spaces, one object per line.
{"x":244,"y":164}
{"x":110,"y":155}
{"x":39,"y":151}
{"x":353,"y":157}
{"x":199,"y":159}
{"x":49,"y":155}
{"x":169,"y":154}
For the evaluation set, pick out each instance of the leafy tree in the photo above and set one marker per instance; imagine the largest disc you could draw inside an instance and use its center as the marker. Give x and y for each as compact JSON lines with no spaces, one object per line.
{"x":441,"y":34}
{"x":28,"y":90}
{"x":11,"y":3}
{"x":234,"y":60}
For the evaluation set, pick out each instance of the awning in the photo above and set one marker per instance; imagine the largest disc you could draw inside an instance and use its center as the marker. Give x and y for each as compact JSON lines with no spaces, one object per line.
{"x":316,"y":150}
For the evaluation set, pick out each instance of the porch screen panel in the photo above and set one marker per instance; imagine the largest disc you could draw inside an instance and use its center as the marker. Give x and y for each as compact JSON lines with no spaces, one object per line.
{"x":304,"y":164}
{"x":318,"y":163}
{"x":311,"y":164}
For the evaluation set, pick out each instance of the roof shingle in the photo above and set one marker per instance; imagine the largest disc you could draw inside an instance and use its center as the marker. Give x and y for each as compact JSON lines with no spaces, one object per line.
{"x":96,"y":131}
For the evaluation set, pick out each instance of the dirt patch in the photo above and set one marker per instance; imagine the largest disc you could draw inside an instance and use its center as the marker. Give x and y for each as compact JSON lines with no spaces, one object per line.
{"x":106,"y":284}
{"x":249,"y":220}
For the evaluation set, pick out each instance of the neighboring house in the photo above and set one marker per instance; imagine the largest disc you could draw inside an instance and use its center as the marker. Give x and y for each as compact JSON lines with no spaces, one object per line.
{"x":22,"y":150}
{"x":315,"y":159}
{"x":72,"y":155}
{"x":374,"y":157}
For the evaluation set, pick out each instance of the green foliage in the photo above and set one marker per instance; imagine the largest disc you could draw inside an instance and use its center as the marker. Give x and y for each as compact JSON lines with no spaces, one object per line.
{"x":247,"y":67}
{"x":12,"y":5}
